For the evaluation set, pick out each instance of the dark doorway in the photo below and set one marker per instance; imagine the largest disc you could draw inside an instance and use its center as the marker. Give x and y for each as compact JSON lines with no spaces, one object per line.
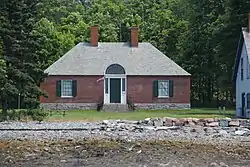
{"x":115,"y":90}
{"x":243,"y":104}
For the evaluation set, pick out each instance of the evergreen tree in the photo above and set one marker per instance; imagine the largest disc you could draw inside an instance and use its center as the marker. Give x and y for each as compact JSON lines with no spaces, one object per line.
{"x":21,"y":52}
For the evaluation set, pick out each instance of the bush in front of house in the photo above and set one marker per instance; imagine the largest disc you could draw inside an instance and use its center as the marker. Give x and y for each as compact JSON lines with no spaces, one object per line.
{"x":37,"y":114}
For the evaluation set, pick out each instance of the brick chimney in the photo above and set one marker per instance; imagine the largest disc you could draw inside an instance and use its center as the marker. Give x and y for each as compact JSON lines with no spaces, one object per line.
{"x":134,"y":36}
{"x":94,"y":36}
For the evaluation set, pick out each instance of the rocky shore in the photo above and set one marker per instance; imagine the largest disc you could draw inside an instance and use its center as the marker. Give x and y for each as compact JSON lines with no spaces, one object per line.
{"x":159,"y":142}
{"x":197,"y":130}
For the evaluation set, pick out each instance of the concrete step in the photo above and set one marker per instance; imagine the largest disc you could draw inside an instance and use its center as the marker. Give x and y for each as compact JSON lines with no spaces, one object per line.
{"x":115,"y":108}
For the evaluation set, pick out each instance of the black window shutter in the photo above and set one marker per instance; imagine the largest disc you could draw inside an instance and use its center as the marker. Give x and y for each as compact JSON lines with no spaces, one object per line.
{"x":58,"y":88}
{"x":155,"y":88}
{"x":74,"y":88}
{"x":171,"y":88}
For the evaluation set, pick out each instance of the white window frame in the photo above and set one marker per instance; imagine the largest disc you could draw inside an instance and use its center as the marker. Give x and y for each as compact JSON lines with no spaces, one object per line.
{"x":159,"y":88}
{"x":62,"y":88}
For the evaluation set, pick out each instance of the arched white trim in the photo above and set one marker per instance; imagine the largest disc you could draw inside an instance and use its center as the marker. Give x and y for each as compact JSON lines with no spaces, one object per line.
{"x":107,"y":78}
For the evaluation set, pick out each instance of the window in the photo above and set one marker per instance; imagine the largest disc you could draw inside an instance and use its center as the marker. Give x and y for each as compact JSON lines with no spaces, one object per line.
{"x":241,"y":71}
{"x":163,"y":88}
{"x":66,"y":88}
{"x":123,"y":84}
{"x":248,"y":101}
{"x":106,"y":85}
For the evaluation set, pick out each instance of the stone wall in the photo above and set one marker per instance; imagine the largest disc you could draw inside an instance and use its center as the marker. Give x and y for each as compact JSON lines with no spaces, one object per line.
{"x":204,"y":122}
{"x":163,"y":106}
{"x":69,"y":106}
{"x":93,"y":106}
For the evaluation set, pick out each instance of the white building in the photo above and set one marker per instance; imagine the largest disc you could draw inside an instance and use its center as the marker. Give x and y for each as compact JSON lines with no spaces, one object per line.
{"x":242,"y":74}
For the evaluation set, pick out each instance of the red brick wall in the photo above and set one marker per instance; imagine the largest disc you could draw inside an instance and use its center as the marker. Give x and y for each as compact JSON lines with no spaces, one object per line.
{"x":88,"y":90}
{"x":140,"y":89}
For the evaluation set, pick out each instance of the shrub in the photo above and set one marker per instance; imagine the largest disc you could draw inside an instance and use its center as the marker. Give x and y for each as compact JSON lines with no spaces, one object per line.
{"x":38,"y":114}
{"x":34,"y":114}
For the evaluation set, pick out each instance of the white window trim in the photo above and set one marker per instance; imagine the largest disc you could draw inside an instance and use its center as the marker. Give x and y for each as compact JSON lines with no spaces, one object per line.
{"x":62,"y":96}
{"x":159,"y":88}
{"x":66,"y":96}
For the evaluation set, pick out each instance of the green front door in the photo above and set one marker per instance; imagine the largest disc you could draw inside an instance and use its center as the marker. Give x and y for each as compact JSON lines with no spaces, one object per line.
{"x":115,"y":90}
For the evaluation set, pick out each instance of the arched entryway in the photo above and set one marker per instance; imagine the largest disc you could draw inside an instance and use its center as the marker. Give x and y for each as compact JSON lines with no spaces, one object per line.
{"x":115,"y":84}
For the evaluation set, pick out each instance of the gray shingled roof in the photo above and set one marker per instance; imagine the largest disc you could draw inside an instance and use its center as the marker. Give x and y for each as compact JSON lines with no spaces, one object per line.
{"x":86,"y":60}
{"x":244,"y":39}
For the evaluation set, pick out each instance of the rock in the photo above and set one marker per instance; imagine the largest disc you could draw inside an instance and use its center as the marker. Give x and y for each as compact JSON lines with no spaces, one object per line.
{"x":209,"y":120}
{"x":9,"y":158}
{"x":148,"y":121}
{"x":240,"y":132}
{"x":212,"y":124}
{"x":222,"y":164}
{"x":195,"y":120}
{"x":164,"y":165}
{"x":245,"y":123}
{"x":63,"y":161}
{"x":190,"y":122}
{"x":234,"y":123}
{"x":223,"y":132}
{"x":223,"y":123}
{"x":30,"y":156}
{"x":108,"y":129}
{"x":168,"y":122}
{"x":183,"y":121}
{"x":179,"y":122}
{"x":209,"y":130}
{"x":46,"y":149}
{"x":105,"y":122}
{"x":213,"y":164}
{"x":149,"y":128}
{"x":157,"y":122}
{"x":138,"y":152}
{"x":201,"y":123}
{"x":164,"y":128}
{"x":57,"y":149}
{"x":77,"y":147}
{"x":70,"y":139}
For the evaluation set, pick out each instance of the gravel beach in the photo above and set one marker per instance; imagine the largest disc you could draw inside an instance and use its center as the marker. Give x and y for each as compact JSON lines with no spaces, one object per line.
{"x":68,"y":143}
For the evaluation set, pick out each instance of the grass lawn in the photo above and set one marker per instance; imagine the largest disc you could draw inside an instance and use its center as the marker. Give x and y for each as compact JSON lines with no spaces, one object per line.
{"x":80,"y":115}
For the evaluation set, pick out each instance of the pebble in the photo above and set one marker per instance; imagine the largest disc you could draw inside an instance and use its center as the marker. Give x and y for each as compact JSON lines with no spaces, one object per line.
{"x":240,"y":132}
{"x":63,"y":161}
{"x":121,"y":129}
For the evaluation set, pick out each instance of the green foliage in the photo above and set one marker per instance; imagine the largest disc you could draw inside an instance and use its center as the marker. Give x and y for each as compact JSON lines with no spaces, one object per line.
{"x":21,"y":58}
{"x":38,"y":114}
{"x":199,"y":35}
{"x":27,"y":114}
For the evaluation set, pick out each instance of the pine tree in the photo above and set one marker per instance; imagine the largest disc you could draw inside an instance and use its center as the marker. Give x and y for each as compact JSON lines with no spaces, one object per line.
{"x":21,"y":52}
